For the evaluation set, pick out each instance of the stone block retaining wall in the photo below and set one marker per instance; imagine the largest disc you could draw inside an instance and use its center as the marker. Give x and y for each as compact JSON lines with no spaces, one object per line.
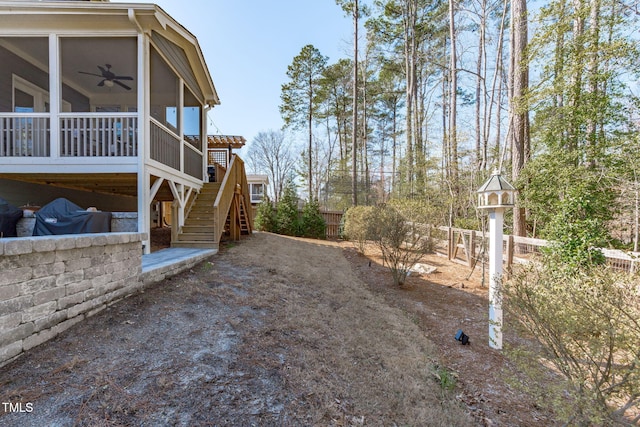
{"x":120,"y":222}
{"x":50,"y":283}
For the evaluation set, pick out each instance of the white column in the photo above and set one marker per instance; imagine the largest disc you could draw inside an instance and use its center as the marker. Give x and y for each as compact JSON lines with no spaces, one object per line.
{"x":144,"y":179}
{"x":144,"y":208}
{"x":496,"y":219}
{"x":55,"y":95}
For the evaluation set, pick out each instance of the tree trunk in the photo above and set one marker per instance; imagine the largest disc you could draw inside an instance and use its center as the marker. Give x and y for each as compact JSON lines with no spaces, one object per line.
{"x":410,"y":50}
{"x":519,"y":114}
{"x":453,"y":101}
{"x":594,"y":35}
{"x":445,"y":139}
{"x":354,"y":133}
{"x":394,"y":140}
{"x":480,"y":95}
{"x":496,"y":92}
{"x":310,"y":123}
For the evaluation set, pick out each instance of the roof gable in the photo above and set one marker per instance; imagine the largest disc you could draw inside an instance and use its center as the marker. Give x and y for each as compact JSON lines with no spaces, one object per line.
{"x":178,"y":58}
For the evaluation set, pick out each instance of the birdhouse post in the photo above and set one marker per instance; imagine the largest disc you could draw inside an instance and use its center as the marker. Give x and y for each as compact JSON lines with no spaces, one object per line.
{"x":495,"y":195}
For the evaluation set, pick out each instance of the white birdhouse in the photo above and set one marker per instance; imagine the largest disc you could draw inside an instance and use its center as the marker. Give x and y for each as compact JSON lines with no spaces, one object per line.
{"x":496,"y":192}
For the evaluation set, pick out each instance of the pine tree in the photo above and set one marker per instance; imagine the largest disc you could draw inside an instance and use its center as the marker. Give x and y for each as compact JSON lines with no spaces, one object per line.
{"x":265,"y":219}
{"x":312,"y":222}
{"x":287,"y":212}
{"x":299,"y":98}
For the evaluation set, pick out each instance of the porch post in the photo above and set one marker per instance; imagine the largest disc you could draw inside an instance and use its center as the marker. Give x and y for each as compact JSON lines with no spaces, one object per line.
{"x":181,"y":123}
{"x":175,"y":226}
{"x":55,"y":96}
{"x":144,"y":207}
{"x":204,"y":131}
{"x":144,"y":179}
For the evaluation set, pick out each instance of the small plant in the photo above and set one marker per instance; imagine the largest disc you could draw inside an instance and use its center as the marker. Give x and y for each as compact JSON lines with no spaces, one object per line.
{"x":447,"y":378}
{"x":206,"y":266}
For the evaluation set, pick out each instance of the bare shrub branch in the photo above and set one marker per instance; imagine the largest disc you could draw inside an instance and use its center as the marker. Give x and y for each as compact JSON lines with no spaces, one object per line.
{"x":587,"y":325}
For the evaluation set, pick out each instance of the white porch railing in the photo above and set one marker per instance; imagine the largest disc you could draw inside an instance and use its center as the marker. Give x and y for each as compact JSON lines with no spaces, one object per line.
{"x":96,"y":135}
{"x":103,"y":135}
{"x":25,"y":135}
{"x":81,"y":135}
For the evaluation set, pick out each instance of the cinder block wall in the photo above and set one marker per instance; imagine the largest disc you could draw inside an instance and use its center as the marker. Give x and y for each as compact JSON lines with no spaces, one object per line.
{"x":50,"y":283}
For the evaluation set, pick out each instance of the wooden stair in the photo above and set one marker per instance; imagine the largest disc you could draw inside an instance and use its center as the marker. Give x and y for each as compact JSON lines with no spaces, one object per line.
{"x":242,"y":219}
{"x":199,"y":229}
{"x":218,"y":208}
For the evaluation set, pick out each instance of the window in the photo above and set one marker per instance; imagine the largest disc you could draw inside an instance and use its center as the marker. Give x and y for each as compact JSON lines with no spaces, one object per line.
{"x":257,"y":193}
{"x":192,"y":119}
{"x":165,"y":95}
{"x":25,"y":66}
{"x":29,"y":98}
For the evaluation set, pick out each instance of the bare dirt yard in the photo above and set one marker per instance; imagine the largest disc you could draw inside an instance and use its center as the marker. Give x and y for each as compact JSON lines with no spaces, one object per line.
{"x":277,"y":331}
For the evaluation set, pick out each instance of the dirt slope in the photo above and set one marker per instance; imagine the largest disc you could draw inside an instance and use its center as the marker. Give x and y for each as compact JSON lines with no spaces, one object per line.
{"x":272,"y":331}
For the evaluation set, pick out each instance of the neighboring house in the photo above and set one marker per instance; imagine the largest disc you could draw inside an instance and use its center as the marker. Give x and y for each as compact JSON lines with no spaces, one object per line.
{"x":106,"y":104}
{"x":257,"y":187}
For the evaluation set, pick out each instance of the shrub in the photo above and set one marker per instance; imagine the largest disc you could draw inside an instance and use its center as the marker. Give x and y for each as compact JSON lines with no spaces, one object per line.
{"x":357,"y":226}
{"x":287,"y":221}
{"x":401,"y":243}
{"x":265,"y":219}
{"x":586,"y":321}
{"x":312,"y":223}
{"x":576,"y":231}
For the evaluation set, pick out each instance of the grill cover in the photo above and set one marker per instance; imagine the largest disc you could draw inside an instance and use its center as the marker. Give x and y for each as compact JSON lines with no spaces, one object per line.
{"x":9,"y":216}
{"x":64,"y":217}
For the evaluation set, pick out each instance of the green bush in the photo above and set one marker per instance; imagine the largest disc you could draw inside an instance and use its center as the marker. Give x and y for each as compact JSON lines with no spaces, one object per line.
{"x":287,"y":221}
{"x":265,"y":219}
{"x":357,"y":225}
{"x":576,"y":232}
{"x":312,"y":223}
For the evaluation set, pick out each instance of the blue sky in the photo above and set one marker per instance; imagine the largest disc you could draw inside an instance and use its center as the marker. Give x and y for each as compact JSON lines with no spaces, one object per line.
{"x":248,"y":45}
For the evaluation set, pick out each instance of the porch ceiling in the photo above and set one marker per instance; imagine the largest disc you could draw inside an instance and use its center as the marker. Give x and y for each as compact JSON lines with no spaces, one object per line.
{"x":108,"y":183}
{"x":121,"y":184}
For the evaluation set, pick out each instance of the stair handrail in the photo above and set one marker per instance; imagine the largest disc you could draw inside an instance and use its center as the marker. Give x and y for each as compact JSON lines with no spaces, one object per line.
{"x":224,"y":198}
{"x":247,"y":198}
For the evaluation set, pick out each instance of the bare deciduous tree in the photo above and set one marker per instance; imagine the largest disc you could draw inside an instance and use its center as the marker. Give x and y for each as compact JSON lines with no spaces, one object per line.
{"x":270,"y":152}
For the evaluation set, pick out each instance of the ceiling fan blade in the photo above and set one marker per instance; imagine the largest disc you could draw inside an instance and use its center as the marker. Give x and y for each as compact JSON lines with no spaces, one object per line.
{"x":102,"y":69}
{"x":91,"y":74}
{"x":121,"y":84}
{"x":101,"y":83}
{"x":123,"y":78}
